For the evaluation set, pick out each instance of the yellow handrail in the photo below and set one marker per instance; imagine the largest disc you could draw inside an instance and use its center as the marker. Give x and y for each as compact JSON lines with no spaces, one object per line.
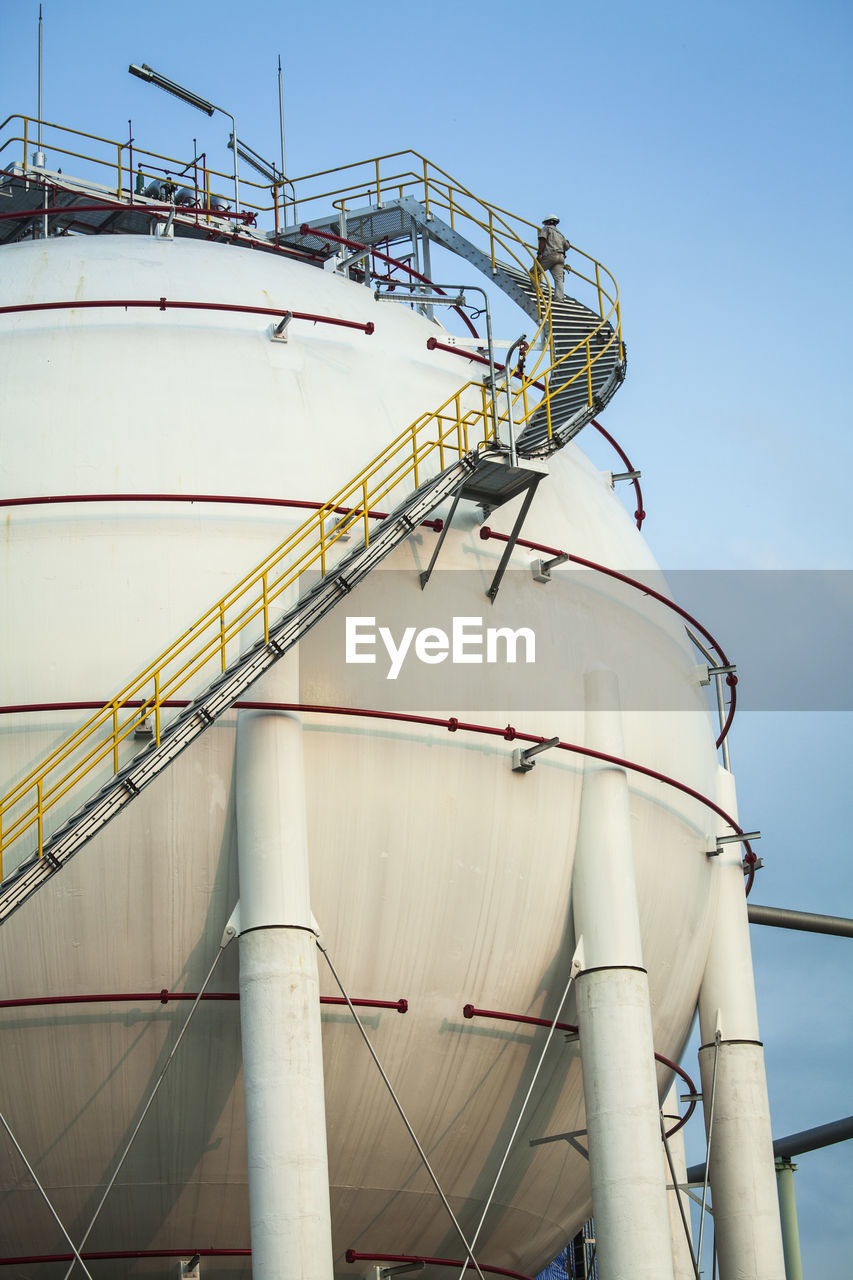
{"x":451,"y":431}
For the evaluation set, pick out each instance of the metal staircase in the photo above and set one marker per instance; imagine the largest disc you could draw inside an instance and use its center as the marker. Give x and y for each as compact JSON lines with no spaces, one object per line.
{"x":582,"y":358}
{"x":576,"y":362}
{"x":68,"y":768}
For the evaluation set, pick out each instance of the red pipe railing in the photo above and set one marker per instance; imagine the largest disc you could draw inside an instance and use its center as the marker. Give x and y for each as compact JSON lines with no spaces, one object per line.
{"x":164,"y":304}
{"x":731,"y":680}
{"x":639,"y":514}
{"x":469,"y":1011}
{"x":453,"y":725}
{"x":50,"y":499}
{"x":165,"y":997}
{"x":116,"y":1255}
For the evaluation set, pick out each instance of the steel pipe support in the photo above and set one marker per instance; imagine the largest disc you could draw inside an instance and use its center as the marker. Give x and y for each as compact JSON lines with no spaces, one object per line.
{"x":742,"y":1175}
{"x":280,"y":1006}
{"x":626,"y":1160}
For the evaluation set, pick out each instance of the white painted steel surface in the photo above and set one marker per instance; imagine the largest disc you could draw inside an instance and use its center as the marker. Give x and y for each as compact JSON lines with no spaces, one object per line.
{"x":741,"y":1168}
{"x":680,"y":1227}
{"x":436,"y":873}
{"x":614,"y":1019}
{"x":282,"y":1046}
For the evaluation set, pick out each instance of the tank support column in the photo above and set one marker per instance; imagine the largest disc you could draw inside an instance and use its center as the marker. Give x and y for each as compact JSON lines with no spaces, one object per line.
{"x":629,"y":1198}
{"x":742,"y":1176}
{"x":280,"y":1006}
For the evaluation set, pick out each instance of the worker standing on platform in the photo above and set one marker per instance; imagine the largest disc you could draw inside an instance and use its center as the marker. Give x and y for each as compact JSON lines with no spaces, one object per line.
{"x":553,"y":247}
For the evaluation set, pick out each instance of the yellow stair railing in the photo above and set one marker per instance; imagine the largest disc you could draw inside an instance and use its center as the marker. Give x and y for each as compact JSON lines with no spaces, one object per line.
{"x":462,"y":425}
{"x":466,"y":422}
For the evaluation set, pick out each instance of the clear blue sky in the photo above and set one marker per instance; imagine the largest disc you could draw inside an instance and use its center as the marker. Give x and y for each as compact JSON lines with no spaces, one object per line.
{"x":703,"y":153}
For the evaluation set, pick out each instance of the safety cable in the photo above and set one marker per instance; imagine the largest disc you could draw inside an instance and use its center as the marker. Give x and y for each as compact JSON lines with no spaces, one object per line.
{"x":717,"y":1041}
{"x":44,"y":1195}
{"x":403,"y":1116}
{"x":227,"y":937}
{"x":677,"y":1189}
{"x":512,"y":1137}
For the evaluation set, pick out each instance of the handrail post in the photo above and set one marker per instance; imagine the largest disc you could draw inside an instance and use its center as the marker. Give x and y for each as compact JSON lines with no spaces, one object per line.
{"x":598,"y":287}
{"x":322,"y":519}
{"x":266,"y":611}
{"x":222,"y":633}
{"x":39,"y":813}
{"x":378,"y":184}
{"x":366,"y":520}
{"x":415,"y":453}
{"x":589,"y":371}
{"x":157,"y":707}
{"x":115,"y":735}
{"x":492,"y":241}
{"x":619,"y":329}
{"x":426,"y":190}
{"x":118,"y":187}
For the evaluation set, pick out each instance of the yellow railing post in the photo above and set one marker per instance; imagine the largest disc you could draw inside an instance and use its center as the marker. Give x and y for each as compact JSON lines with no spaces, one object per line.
{"x":452,"y":210}
{"x":40,"y":819}
{"x":598,"y":287}
{"x":366,"y":518}
{"x":619,"y":330}
{"x":115,"y":736}
{"x":426,"y":191}
{"x":322,"y":518}
{"x":26,"y":145}
{"x":266,"y":611}
{"x":222,"y":633}
{"x":378,"y":184}
{"x":492,"y":240}
{"x":588,"y":373}
{"x":118,"y":188}
{"x":415,"y":453}
{"x":157,"y":707}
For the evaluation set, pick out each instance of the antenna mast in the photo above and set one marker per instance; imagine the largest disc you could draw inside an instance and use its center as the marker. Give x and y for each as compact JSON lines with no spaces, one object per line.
{"x":41,"y":160}
{"x":281,"y":127}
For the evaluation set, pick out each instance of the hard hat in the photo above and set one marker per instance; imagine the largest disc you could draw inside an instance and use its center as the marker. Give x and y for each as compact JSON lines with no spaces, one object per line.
{"x":551,"y":219}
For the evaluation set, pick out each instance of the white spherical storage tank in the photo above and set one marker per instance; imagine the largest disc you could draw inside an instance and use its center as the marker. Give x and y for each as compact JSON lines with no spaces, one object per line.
{"x":437,"y":874}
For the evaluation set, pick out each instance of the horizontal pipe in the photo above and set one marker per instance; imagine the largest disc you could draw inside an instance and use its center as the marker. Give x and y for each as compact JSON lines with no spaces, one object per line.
{"x":451,"y":723}
{"x":796,"y":1144}
{"x":784,"y":918}
{"x":352,"y":1256}
{"x":165,"y":996}
{"x":731,"y":680}
{"x":823,"y":1135}
{"x":225,"y":499}
{"x":115,"y":1255}
{"x":164,"y":304}
{"x":469,"y":1011}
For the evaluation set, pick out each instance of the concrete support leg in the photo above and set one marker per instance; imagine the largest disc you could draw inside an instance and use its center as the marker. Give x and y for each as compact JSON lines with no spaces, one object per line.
{"x":682,"y":1239}
{"x":280,"y":1008}
{"x":617,"y":1055}
{"x":743,"y":1184}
